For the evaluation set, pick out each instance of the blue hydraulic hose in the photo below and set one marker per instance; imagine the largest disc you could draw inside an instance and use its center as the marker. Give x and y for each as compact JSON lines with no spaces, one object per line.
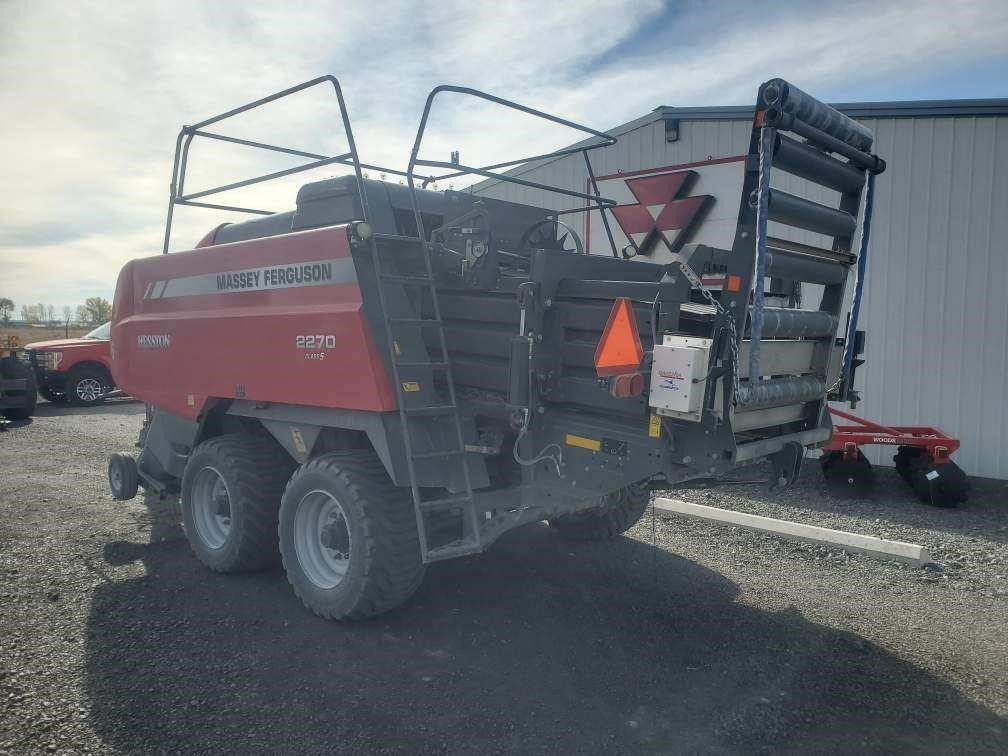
{"x":763,"y":197}
{"x":859,"y":284}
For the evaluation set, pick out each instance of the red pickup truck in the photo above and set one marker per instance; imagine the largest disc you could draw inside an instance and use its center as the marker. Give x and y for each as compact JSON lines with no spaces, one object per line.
{"x":76,"y":370}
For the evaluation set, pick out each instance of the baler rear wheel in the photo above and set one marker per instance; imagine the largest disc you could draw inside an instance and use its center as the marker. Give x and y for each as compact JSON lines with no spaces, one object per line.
{"x":231,"y":491}
{"x":616,"y":513}
{"x":348,"y":537}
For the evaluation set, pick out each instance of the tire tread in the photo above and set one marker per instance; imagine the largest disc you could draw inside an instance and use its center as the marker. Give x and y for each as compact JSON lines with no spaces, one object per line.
{"x":393,"y":568}
{"x":605,"y":522}
{"x":259,"y":471}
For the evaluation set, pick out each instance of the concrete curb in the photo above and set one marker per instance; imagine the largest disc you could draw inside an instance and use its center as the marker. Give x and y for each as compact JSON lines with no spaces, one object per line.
{"x":881,"y":548}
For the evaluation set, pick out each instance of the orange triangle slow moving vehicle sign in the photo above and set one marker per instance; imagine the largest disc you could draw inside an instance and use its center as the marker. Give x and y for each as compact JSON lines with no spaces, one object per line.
{"x":620,"y":350}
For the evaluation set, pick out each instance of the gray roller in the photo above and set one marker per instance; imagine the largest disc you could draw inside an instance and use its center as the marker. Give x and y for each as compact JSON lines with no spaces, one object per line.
{"x":787,"y":98}
{"x":812,"y":164}
{"x":802,"y":213}
{"x":778,"y":392}
{"x":797,"y":267}
{"x":788,"y":323}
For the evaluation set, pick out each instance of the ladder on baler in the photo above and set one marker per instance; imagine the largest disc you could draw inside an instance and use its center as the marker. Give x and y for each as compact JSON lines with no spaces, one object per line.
{"x":409,"y":376}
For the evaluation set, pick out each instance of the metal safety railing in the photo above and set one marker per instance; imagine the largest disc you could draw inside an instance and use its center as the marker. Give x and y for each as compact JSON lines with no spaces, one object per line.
{"x":596,"y":201}
{"x":189,"y":133}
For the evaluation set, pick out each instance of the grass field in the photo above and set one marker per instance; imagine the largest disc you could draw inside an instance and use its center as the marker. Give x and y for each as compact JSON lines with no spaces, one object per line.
{"x":29,"y":334}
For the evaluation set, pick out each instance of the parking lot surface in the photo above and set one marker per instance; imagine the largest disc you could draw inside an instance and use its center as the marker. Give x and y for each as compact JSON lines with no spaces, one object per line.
{"x":681,"y":637}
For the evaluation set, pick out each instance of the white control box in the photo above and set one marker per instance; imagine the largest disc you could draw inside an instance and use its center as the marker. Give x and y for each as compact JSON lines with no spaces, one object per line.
{"x":677,"y":376}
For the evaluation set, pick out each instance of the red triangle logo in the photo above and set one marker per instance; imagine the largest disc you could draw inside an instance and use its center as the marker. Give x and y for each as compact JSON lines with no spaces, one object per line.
{"x":664,"y":211}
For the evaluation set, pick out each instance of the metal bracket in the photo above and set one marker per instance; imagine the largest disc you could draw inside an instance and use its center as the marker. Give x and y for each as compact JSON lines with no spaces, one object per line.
{"x":787,"y":465}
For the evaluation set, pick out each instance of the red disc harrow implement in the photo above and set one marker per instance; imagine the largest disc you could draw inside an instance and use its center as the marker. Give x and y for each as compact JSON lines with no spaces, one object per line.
{"x":922,"y":459}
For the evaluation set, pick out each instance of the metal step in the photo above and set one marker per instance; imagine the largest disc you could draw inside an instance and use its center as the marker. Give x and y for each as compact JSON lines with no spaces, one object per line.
{"x":398,"y":238}
{"x":432,"y":365}
{"x":437,"y":454}
{"x":438,"y":409}
{"x":456,"y":549}
{"x":415,"y":280}
{"x":417,"y":321}
{"x":448,"y":501}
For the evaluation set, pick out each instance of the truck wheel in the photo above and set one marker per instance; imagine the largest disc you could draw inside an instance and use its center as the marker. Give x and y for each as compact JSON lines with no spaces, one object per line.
{"x":618,"y":512}
{"x":85,"y":386}
{"x":348,"y":537}
{"x":123,"y":478}
{"x":231,"y":492}
{"x":11,"y":368}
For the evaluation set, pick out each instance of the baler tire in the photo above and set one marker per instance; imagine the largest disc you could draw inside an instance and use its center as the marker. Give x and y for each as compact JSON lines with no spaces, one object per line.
{"x":619,"y":512}
{"x":16,"y":370}
{"x":382,"y":567}
{"x":76,"y":380}
{"x":253,"y":471}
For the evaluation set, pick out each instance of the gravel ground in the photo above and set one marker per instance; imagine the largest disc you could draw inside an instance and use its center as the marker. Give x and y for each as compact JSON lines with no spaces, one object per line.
{"x":683,"y":637}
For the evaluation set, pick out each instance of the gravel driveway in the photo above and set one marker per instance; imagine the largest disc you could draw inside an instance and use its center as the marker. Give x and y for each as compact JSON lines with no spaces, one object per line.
{"x":683,"y":637}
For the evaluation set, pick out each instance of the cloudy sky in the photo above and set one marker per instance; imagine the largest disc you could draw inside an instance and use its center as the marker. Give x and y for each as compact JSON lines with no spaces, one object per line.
{"x":93,"y":93}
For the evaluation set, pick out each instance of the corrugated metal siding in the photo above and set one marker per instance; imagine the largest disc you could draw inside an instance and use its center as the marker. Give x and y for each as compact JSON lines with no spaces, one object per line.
{"x":935,"y":306}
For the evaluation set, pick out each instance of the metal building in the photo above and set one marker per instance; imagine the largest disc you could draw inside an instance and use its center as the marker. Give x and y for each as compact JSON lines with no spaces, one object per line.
{"x":935,"y":307}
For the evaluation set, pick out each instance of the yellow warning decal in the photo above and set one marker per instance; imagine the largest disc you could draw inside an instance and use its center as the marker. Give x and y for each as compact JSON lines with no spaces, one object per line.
{"x":410,"y":386}
{"x":395,"y":347}
{"x":654,"y":426}
{"x":298,"y":440}
{"x":584,"y":443}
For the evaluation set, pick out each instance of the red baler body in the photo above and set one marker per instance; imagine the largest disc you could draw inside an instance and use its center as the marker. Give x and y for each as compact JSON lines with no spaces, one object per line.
{"x":181,"y":334}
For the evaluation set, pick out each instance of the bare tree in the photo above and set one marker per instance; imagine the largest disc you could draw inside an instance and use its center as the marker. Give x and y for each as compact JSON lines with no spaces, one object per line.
{"x":6,"y":308}
{"x":68,"y":312}
{"x":94,"y":311}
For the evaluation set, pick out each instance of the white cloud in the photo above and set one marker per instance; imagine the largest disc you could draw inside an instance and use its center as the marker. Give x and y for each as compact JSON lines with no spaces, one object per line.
{"x":93,"y":94}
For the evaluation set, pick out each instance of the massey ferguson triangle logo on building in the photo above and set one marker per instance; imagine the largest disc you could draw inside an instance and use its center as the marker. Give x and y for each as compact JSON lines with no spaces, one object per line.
{"x":664,"y":211}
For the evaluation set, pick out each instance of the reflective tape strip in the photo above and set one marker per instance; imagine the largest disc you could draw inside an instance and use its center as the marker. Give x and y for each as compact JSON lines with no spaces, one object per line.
{"x":583,"y":443}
